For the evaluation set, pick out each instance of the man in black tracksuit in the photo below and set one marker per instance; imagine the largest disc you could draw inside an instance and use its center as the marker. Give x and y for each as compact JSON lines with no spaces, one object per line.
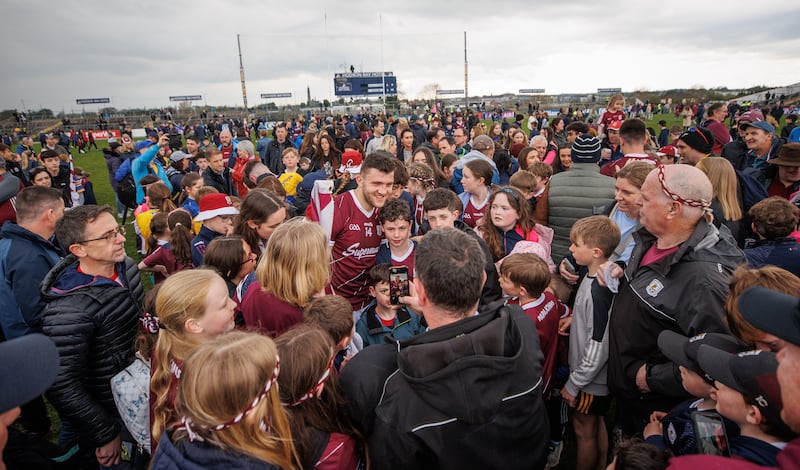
{"x":464,"y":394}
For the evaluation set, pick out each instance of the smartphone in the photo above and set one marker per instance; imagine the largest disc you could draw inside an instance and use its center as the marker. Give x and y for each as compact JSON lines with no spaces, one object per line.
{"x":709,"y":432}
{"x":570,"y":267}
{"x":398,"y":284}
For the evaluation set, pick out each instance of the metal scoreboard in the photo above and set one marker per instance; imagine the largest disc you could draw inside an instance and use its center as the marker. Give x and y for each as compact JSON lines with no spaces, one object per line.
{"x":364,"y":84}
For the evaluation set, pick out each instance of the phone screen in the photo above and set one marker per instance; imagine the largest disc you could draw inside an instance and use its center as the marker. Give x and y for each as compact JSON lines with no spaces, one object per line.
{"x":398,"y":284}
{"x":709,"y":431}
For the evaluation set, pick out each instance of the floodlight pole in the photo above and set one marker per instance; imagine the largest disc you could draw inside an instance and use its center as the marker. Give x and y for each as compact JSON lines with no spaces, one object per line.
{"x":241,"y":73}
{"x":383,"y":74}
{"x":466,"y":80}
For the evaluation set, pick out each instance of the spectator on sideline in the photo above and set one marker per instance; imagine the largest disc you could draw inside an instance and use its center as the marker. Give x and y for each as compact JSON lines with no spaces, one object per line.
{"x":717,"y":112}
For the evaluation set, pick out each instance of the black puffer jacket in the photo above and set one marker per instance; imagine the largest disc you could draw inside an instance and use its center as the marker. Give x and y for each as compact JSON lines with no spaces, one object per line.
{"x":92,"y":321}
{"x":464,"y":395}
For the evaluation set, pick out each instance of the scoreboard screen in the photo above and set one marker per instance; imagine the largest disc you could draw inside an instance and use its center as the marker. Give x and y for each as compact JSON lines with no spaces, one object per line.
{"x":364,"y":84}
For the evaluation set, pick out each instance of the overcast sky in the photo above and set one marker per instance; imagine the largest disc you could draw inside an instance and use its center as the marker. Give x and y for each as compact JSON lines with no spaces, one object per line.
{"x":139,"y":53}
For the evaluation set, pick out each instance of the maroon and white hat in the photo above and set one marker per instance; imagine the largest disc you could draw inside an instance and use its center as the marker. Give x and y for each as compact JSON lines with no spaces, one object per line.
{"x":351,"y":162}
{"x":215,"y":204}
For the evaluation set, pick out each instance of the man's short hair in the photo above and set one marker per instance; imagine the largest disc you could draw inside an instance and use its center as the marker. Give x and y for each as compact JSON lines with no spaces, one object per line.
{"x":395,"y":209}
{"x":4,"y":147}
{"x":432,"y":132}
{"x":577,"y":127}
{"x":450,"y":266}
{"x":379,"y":273}
{"x":193,"y":138}
{"x":49,"y":154}
{"x":527,"y":270}
{"x":332,"y":313}
{"x":71,"y":229}
{"x":375,"y":123}
{"x":597,"y":231}
{"x":450,"y":140}
{"x":774,"y":217}
{"x":34,"y":200}
{"x":633,"y":130}
{"x":378,"y":162}
{"x":249,"y":168}
{"x":713,"y":108}
{"x":281,"y":125}
{"x":441,"y":198}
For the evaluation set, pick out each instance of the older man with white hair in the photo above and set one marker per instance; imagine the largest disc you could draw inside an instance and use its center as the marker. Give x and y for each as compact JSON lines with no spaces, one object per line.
{"x":677,"y":279}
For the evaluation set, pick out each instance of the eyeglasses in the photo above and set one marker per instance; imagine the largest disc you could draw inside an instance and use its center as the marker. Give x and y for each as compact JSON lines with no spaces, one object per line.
{"x":109,"y":237}
{"x":700,"y":133}
{"x":226,"y":218}
{"x":251,"y":257}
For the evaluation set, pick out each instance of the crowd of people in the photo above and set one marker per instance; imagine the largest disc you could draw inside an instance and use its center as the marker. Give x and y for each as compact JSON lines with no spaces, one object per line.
{"x":429,"y":291}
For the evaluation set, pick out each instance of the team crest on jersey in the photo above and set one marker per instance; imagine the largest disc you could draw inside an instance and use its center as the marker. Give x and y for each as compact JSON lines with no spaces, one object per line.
{"x":671,"y":434}
{"x":654,"y":287}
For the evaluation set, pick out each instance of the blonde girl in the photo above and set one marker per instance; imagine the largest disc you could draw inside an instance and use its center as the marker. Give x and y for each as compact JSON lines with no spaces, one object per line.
{"x":292,"y":270}
{"x":193,"y":307}
{"x":231,"y":412}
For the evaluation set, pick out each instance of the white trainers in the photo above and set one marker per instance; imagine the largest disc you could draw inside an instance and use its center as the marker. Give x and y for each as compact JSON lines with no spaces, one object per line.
{"x":555,"y":454}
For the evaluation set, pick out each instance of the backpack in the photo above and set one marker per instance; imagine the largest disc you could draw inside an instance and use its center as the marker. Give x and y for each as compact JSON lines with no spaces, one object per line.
{"x":131,"y":391}
{"x":126,"y":191}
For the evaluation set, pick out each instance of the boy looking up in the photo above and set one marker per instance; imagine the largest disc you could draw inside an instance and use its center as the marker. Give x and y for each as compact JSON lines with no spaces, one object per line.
{"x":593,"y":241}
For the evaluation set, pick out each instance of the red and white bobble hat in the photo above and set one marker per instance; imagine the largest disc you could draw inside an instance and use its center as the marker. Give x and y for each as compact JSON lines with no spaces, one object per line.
{"x":213,"y":205}
{"x":351,"y":162}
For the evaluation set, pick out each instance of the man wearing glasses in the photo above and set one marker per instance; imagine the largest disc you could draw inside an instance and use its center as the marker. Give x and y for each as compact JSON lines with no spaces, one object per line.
{"x":93,"y":302}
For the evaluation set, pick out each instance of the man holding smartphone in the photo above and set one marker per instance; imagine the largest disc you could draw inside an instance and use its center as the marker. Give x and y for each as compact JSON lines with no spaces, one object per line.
{"x":468,"y":392}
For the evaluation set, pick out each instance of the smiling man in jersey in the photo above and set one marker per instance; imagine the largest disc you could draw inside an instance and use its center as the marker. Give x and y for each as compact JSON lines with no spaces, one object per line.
{"x":355,"y":235}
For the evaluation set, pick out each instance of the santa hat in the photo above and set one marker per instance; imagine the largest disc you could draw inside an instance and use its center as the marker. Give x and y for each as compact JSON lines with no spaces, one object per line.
{"x":215,"y":204}
{"x":351,"y":162}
